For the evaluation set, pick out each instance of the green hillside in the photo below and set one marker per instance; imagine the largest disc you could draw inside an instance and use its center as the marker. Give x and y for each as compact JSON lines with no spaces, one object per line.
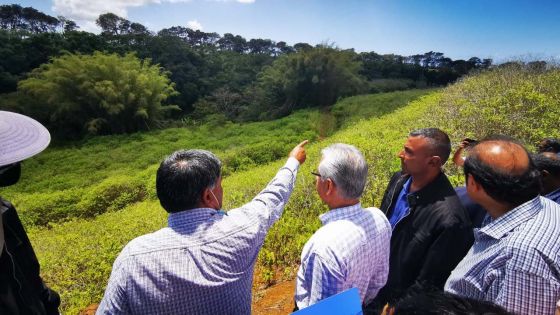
{"x":83,"y":202}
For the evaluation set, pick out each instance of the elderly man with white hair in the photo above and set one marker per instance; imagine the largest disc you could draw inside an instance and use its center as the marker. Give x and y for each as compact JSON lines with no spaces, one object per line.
{"x":351,"y":249}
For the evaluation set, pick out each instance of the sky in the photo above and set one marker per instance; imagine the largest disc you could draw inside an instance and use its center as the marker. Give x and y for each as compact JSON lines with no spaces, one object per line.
{"x":497,"y":29}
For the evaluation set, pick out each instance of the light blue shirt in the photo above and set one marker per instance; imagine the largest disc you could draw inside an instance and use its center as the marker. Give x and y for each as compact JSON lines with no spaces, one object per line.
{"x":202,"y":263}
{"x":515,"y":260}
{"x":351,"y":249}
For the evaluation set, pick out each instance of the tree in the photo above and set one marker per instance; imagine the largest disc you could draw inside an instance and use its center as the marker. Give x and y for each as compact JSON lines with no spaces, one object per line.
{"x":98,"y":94}
{"x":312,"y":77}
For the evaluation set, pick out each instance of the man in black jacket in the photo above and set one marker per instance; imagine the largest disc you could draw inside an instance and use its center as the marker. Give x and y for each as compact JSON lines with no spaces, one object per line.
{"x":431,"y":230}
{"x":22,"y":291}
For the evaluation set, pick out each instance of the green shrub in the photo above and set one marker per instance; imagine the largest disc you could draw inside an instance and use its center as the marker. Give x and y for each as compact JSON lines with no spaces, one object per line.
{"x":112,"y":194}
{"x":515,"y":100}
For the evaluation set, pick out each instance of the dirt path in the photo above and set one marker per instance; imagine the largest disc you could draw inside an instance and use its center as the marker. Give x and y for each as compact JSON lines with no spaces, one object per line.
{"x":275,"y":300}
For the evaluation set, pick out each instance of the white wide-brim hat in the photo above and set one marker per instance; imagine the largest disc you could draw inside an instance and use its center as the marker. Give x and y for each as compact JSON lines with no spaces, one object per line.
{"x":21,"y":137}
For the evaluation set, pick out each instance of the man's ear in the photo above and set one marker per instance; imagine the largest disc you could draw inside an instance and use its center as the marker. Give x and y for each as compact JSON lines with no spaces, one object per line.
{"x":473,"y":183}
{"x":206,"y":198}
{"x":330,"y":187}
{"x":435,"y":161}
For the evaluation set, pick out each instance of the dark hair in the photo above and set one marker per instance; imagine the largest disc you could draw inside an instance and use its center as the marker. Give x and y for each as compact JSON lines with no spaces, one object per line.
{"x":439,"y":141}
{"x":549,"y":145}
{"x":506,"y":187}
{"x":546,"y":163}
{"x":439,"y":302}
{"x":182,"y":177}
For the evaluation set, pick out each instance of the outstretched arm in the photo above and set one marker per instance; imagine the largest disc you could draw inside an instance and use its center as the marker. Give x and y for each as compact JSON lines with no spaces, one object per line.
{"x":270,"y":202}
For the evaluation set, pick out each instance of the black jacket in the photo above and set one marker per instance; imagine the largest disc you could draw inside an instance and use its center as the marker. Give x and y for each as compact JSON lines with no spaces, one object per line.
{"x":427,"y":244}
{"x":22,"y":290}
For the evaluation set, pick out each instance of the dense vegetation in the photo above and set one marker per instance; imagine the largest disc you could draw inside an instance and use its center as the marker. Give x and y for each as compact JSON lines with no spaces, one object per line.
{"x":96,"y":195}
{"x":82,"y":186}
{"x":82,"y":201}
{"x":217,"y":78}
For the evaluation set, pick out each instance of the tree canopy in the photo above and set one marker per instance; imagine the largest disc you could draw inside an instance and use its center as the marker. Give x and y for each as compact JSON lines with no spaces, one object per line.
{"x":236,"y":77}
{"x":98,"y":94}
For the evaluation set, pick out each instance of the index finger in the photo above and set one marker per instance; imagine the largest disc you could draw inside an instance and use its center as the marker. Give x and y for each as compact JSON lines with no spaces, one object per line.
{"x":304,"y":142}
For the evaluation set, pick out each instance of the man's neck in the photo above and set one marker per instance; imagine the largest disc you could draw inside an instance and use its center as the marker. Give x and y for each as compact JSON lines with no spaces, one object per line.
{"x":422,"y":180}
{"x":343,"y":203}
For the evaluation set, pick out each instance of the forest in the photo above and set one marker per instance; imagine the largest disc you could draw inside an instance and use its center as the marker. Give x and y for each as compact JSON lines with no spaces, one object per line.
{"x":201,"y":76}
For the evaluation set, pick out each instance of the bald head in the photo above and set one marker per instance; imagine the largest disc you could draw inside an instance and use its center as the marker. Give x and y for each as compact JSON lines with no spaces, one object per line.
{"x":503,"y":156}
{"x":505,"y":171}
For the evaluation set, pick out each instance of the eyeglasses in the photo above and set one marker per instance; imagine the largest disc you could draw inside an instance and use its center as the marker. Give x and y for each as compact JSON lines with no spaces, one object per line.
{"x":316,"y":174}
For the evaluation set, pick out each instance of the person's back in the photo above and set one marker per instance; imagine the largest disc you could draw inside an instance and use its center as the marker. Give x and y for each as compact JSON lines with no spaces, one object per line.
{"x":351,"y":249}
{"x":355,"y":246}
{"x":202,"y":262}
{"x":514,"y":260}
{"x":204,"y":255}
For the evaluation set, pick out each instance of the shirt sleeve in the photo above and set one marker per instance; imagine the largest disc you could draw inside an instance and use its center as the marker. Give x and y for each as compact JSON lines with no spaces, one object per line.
{"x":523,"y":292}
{"x":317,"y":279}
{"x":269,"y":203}
{"x":115,"y":299}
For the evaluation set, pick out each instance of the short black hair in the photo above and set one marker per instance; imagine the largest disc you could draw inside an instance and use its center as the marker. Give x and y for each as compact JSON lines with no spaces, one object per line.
{"x":546,"y":163}
{"x":549,"y":145}
{"x":182,"y":177}
{"x":439,"y":302}
{"x":439,"y":141}
{"x":506,"y":187}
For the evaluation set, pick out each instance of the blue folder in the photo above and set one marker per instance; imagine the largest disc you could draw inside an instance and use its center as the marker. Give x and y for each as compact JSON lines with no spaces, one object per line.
{"x":344,"y":303}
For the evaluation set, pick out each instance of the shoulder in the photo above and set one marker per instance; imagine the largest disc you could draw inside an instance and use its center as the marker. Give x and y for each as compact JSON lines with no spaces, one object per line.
{"x":147,"y":243}
{"x":379,"y":218}
{"x":540,"y":234}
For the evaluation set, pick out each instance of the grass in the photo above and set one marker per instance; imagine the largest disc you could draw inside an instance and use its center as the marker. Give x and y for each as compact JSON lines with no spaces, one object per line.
{"x":77,"y":248}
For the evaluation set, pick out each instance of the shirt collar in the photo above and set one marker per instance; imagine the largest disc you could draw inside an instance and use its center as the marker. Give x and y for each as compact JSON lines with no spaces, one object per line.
{"x":406,"y":187}
{"x":190,"y":217}
{"x":498,"y":228}
{"x":340,"y":213}
{"x":553,"y":195}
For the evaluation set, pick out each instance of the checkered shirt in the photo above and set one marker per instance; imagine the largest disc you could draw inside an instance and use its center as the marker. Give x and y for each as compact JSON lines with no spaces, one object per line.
{"x":515,"y":260}
{"x":351,"y":249}
{"x":202,"y":263}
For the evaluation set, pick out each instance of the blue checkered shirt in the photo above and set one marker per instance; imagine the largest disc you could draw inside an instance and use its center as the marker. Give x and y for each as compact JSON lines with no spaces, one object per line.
{"x":351,"y":249}
{"x":515,"y":260}
{"x":202,"y":263}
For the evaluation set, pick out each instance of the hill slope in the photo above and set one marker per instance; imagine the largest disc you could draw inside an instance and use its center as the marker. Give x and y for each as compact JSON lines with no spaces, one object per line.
{"x":91,"y":180}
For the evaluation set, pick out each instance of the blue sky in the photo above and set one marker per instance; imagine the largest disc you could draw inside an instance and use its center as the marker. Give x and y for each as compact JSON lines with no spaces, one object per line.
{"x":497,"y":29}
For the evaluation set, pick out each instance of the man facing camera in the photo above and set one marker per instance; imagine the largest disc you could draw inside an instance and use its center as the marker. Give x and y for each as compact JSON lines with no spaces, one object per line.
{"x":431,"y":229}
{"x":351,"y":249}
{"x":514,"y":260}
{"x":202,"y":263}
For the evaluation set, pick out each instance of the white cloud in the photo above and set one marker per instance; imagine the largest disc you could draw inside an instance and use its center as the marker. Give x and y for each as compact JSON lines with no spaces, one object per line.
{"x":195,"y":25}
{"x":85,"y":12}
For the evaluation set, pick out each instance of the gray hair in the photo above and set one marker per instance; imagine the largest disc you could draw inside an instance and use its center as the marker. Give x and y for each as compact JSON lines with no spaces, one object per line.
{"x":345,"y":165}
